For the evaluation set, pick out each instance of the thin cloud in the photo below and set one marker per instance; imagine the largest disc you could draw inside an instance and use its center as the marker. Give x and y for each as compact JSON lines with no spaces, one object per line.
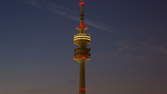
{"x":65,"y":12}
{"x":132,"y":47}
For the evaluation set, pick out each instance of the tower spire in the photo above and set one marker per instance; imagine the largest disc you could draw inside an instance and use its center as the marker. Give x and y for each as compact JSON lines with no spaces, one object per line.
{"x":82,"y":27}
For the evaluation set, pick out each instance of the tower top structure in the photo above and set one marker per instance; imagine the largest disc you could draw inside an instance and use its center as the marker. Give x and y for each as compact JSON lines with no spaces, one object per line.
{"x":82,"y":27}
{"x":82,"y":39}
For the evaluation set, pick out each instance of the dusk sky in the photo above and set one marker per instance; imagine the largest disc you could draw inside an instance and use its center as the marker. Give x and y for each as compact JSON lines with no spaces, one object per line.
{"x":129,"y":46}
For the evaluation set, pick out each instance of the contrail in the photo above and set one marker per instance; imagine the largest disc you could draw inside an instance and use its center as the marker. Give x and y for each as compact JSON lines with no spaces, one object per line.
{"x":64,"y":11}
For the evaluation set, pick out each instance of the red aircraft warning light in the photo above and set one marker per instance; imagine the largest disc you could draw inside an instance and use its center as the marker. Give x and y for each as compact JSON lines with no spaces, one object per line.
{"x":82,"y":89}
{"x":81,"y":3}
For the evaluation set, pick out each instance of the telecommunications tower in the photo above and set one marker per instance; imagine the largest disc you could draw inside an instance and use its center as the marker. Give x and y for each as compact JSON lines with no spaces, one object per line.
{"x":82,"y":53}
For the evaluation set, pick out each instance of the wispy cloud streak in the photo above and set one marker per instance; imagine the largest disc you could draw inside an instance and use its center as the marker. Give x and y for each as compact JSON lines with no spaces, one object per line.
{"x":146,"y":47}
{"x":65,"y":12}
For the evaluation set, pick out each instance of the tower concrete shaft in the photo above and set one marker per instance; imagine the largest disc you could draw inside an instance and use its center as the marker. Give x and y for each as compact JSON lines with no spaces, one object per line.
{"x":82,"y":78}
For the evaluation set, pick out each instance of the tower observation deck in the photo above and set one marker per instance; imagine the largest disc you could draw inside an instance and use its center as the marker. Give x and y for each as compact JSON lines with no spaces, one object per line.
{"x":82,"y":54}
